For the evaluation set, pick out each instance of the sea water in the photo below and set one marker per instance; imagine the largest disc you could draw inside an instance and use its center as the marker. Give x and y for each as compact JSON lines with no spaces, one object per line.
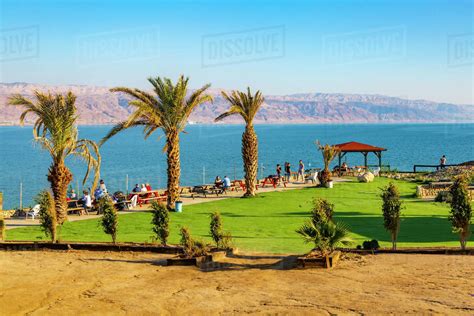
{"x":211,"y":150}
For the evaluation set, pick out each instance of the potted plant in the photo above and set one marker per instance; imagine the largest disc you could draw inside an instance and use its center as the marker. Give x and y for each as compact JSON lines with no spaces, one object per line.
{"x":329,"y":153}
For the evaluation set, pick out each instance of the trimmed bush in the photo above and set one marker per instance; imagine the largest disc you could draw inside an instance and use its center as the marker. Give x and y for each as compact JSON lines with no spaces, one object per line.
{"x":370,"y":245}
{"x":461,"y":211}
{"x":47,"y":214}
{"x":160,"y":222}
{"x":391,"y":209}
{"x":109,"y":219}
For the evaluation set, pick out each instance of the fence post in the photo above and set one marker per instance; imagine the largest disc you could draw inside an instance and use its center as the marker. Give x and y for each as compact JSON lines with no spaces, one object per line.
{"x":21,"y":195}
{"x":126,"y":184}
{"x":203,"y":175}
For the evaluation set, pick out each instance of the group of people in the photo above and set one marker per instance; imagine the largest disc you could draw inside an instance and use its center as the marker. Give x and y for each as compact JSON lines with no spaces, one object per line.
{"x":87,"y":200}
{"x":287,"y":167}
{"x":222,"y":183}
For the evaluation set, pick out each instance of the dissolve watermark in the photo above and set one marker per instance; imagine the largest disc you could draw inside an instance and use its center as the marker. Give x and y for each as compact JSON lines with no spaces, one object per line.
{"x":19,"y":43}
{"x":134,"y":44}
{"x":383,"y":44}
{"x":243,"y":46}
{"x":461,"y":50}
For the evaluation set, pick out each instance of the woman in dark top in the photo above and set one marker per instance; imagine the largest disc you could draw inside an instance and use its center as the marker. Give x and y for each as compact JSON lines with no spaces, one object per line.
{"x":278,"y":170}
{"x":287,"y":171}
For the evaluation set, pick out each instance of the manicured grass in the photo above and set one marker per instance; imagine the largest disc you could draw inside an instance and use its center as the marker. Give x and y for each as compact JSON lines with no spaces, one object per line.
{"x":267,"y":223}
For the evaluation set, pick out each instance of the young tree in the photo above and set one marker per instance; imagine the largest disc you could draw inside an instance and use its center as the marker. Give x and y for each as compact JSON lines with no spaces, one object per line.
{"x":322,"y":210}
{"x":3,"y":232}
{"x":461,"y":211}
{"x":222,"y":239}
{"x":391,"y":208}
{"x":56,"y":131}
{"x":246,"y":105}
{"x":160,"y":221}
{"x":47,"y":214}
{"x":109,"y":219}
{"x":167,"y":109}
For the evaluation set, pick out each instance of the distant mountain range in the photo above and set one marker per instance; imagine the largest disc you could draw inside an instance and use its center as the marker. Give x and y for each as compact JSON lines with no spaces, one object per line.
{"x":96,"y":105}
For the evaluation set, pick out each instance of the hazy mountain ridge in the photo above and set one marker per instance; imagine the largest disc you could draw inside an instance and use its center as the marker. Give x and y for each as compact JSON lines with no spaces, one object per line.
{"x":97,"y":105}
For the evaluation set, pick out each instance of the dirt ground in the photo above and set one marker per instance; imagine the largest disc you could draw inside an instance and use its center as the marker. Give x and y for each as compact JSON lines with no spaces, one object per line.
{"x":81,"y":282}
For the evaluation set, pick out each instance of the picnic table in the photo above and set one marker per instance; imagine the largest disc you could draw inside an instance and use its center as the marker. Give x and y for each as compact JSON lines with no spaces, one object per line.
{"x":147,"y":196}
{"x":74,"y":206}
{"x":206,"y":189}
{"x":274,"y":181}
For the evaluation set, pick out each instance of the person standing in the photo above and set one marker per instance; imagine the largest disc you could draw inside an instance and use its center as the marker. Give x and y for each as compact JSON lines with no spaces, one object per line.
{"x":278,"y":171}
{"x":442,"y":162}
{"x":300,"y":171}
{"x":287,"y":171}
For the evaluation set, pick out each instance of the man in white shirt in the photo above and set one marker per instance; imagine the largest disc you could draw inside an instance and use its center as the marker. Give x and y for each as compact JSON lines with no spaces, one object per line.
{"x":87,"y":201}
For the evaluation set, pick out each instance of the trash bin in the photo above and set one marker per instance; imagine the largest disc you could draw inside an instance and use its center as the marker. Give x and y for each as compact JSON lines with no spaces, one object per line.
{"x":178,"y":206}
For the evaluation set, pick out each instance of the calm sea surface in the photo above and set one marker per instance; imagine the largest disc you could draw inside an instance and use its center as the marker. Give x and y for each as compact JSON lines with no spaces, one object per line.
{"x":210,"y":150}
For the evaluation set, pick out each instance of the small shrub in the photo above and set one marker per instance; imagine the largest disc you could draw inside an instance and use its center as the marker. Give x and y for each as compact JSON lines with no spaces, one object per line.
{"x":322,"y":210}
{"x":443,"y":196}
{"x":3,"y":232}
{"x":109,"y":220}
{"x":47,"y":214}
{"x":391,"y":209}
{"x":160,"y":221}
{"x":461,"y":211}
{"x":370,"y":245}
{"x":222,"y":239}
{"x":192,"y":248}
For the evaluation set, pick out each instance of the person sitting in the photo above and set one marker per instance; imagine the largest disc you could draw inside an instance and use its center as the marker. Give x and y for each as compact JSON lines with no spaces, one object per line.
{"x":98,"y":193}
{"x":102,"y":186}
{"x":72,"y":195}
{"x":218,"y":182}
{"x":143,"y":189}
{"x":226,"y":183}
{"x":136,"y":188}
{"x":86,"y":202}
{"x":344,"y":167}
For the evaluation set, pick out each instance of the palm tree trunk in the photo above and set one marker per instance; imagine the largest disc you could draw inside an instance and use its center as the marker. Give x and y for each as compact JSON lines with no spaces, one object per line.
{"x":174,"y":168}
{"x":250,"y":157}
{"x":59,"y":176}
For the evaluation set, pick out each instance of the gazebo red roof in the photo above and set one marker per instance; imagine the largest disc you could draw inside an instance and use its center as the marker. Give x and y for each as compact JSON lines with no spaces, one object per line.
{"x":358,"y":147}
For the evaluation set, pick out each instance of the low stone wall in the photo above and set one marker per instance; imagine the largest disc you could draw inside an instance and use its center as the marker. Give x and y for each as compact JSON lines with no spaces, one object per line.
{"x":428,"y":191}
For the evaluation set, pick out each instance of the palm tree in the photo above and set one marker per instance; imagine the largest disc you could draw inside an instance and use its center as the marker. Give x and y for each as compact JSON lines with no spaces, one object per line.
{"x":246,"y":105}
{"x":56,"y":131}
{"x":168,"y":110}
{"x":326,"y":235}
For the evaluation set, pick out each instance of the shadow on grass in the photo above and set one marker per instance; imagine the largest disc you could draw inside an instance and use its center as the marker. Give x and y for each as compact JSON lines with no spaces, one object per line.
{"x":413,"y":229}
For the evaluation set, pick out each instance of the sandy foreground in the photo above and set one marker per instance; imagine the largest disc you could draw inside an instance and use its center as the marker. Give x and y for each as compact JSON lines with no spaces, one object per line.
{"x":82,"y":282}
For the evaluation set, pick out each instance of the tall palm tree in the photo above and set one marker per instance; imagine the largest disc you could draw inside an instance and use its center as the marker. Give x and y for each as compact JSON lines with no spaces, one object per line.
{"x":169,"y":110}
{"x":56,"y":131}
{"x":246,"y":105}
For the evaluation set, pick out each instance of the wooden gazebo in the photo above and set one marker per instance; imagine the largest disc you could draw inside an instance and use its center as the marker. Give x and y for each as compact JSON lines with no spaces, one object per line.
{"x":364,"y":149}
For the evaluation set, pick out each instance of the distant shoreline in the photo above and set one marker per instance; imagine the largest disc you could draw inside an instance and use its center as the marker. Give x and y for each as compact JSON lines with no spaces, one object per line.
{"x":276,"y":124}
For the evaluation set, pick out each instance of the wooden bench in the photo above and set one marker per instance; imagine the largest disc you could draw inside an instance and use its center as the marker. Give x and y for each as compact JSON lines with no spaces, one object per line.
{"x":74,"y":207}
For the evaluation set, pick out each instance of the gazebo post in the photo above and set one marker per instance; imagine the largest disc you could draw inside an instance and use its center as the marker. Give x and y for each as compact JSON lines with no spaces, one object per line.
{"x":339,"y":171}
{"x":379,"y":155}
{"x":365,"y":159}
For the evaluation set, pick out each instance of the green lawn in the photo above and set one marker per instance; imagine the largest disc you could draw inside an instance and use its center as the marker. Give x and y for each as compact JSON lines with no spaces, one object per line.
{"x":268,"y":222}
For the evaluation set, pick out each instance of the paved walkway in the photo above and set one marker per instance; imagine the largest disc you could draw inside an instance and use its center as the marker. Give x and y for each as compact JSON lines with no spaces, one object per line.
{"x":186,"y":198}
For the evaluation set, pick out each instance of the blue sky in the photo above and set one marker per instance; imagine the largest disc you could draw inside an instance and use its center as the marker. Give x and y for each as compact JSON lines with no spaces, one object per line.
{"x":411,"y":49}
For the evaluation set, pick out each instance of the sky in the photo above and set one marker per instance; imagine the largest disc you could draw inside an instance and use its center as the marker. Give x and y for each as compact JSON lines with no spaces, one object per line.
{"x":410,"y":49}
